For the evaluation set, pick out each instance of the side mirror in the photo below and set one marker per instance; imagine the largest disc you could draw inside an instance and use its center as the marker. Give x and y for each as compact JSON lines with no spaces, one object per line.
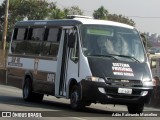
{"x":71,"y":40}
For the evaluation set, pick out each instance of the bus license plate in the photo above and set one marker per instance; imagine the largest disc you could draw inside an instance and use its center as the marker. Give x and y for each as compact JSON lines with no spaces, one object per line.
{"x":125,"y":90}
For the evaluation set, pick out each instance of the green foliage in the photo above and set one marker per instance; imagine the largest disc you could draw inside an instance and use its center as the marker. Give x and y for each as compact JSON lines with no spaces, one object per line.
{"x":7,"y":45}
{"x":73,"y":10}
{"x":121,"y":19}
{"x":31,"y":9}
{"x":1,"y":19}
{"x":55,"y":12}
{"x":100,"y":13}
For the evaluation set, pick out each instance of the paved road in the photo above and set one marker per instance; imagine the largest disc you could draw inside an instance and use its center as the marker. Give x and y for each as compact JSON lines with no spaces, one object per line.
{"x":11,"y":101}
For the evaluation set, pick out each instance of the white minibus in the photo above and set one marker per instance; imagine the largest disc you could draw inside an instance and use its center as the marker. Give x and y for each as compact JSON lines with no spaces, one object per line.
{"x":81,"y":59}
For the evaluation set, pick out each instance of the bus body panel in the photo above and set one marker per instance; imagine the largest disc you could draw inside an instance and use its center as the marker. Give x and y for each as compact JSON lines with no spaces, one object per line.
{"x":104,"y":67}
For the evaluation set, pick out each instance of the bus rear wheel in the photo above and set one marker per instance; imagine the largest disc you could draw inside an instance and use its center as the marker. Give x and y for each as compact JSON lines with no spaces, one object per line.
{"x":28,"y":94}
{"x":75,"y":101}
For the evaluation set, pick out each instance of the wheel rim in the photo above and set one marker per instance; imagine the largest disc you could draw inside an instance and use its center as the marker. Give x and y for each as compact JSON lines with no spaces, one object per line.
{"x":74,"y":99}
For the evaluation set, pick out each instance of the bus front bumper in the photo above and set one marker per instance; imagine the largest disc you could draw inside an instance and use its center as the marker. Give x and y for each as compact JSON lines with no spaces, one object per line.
{"x":98,"y":92}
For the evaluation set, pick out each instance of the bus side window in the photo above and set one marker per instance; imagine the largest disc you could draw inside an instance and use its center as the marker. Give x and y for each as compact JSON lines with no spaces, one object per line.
{"x":53,"y":34}
{"x":15,"y":33}
{"x":18,"y":37}
{"x":54,"y":49}
{"x":21,"y":34}
{"x":52,"y":43}
{"x":13,"y":45}
{"x":53,"y":37}
{"x":38,"y":34}
{"x":30,"y":34}
{"x":75,"y":49}
{"x":46,"y":34}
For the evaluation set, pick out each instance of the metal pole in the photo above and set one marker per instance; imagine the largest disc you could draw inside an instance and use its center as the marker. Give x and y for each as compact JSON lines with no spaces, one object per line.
{"x":5,"y":26}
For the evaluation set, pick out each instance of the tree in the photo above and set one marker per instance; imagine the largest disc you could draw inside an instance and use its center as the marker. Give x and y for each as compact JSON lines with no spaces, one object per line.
{"x":100,"y":13}
{"x":32,"y":9}
{"x":2,"y":11}
{"x":74,"y":10}
{"x":55,"y":12}
{"x":121,"y":19}
{"x":37,"y":9}
{"x":21,"y":9}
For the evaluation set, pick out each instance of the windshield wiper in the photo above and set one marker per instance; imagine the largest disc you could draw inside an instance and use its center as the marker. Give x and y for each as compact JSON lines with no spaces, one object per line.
{"x":108,"y":55}
{"x":131,"y":57}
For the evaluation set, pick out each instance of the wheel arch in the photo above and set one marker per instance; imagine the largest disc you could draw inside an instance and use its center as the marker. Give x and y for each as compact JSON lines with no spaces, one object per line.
{"x":28,"y":74}
{"x":72,"y":83}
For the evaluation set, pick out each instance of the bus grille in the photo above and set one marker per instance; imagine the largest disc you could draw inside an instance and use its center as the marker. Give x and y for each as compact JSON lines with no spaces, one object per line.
{"x":124,"y":83}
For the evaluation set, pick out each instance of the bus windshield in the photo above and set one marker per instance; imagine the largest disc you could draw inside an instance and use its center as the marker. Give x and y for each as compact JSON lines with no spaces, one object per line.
{"x":102,"y":40}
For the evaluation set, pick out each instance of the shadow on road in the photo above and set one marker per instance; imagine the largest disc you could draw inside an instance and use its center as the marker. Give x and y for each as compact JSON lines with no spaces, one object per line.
{"x":52,"y":108}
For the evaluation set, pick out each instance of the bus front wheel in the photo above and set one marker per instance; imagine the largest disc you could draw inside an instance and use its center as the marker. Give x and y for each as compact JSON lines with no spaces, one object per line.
{"x":75,"y":101}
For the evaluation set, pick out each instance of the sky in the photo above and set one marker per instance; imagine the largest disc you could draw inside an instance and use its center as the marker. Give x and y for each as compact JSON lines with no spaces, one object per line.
{"x":145,"y":13}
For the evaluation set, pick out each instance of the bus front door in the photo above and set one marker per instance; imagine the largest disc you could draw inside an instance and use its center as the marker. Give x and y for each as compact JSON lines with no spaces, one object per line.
{"x":64,"y":64}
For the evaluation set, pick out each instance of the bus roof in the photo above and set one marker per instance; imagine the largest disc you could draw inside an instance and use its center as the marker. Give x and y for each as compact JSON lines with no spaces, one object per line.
{"x":70,"y":22}
{"x":103,"y":22}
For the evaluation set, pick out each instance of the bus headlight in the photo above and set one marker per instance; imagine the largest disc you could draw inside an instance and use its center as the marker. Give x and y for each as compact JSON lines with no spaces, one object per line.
{"x":149,"y":82}
{"x":95,"y":79}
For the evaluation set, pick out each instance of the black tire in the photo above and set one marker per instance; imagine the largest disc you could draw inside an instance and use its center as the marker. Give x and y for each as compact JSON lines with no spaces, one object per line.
{"x":27,"y":90}
{"x":75,"y":101}
{"x":28,"y":94}
{"x":135,"y":108}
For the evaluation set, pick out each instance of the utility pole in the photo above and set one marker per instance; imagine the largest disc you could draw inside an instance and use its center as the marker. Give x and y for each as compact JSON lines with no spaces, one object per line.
{"x":3,"y":56}
{"x":5,"y":26}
